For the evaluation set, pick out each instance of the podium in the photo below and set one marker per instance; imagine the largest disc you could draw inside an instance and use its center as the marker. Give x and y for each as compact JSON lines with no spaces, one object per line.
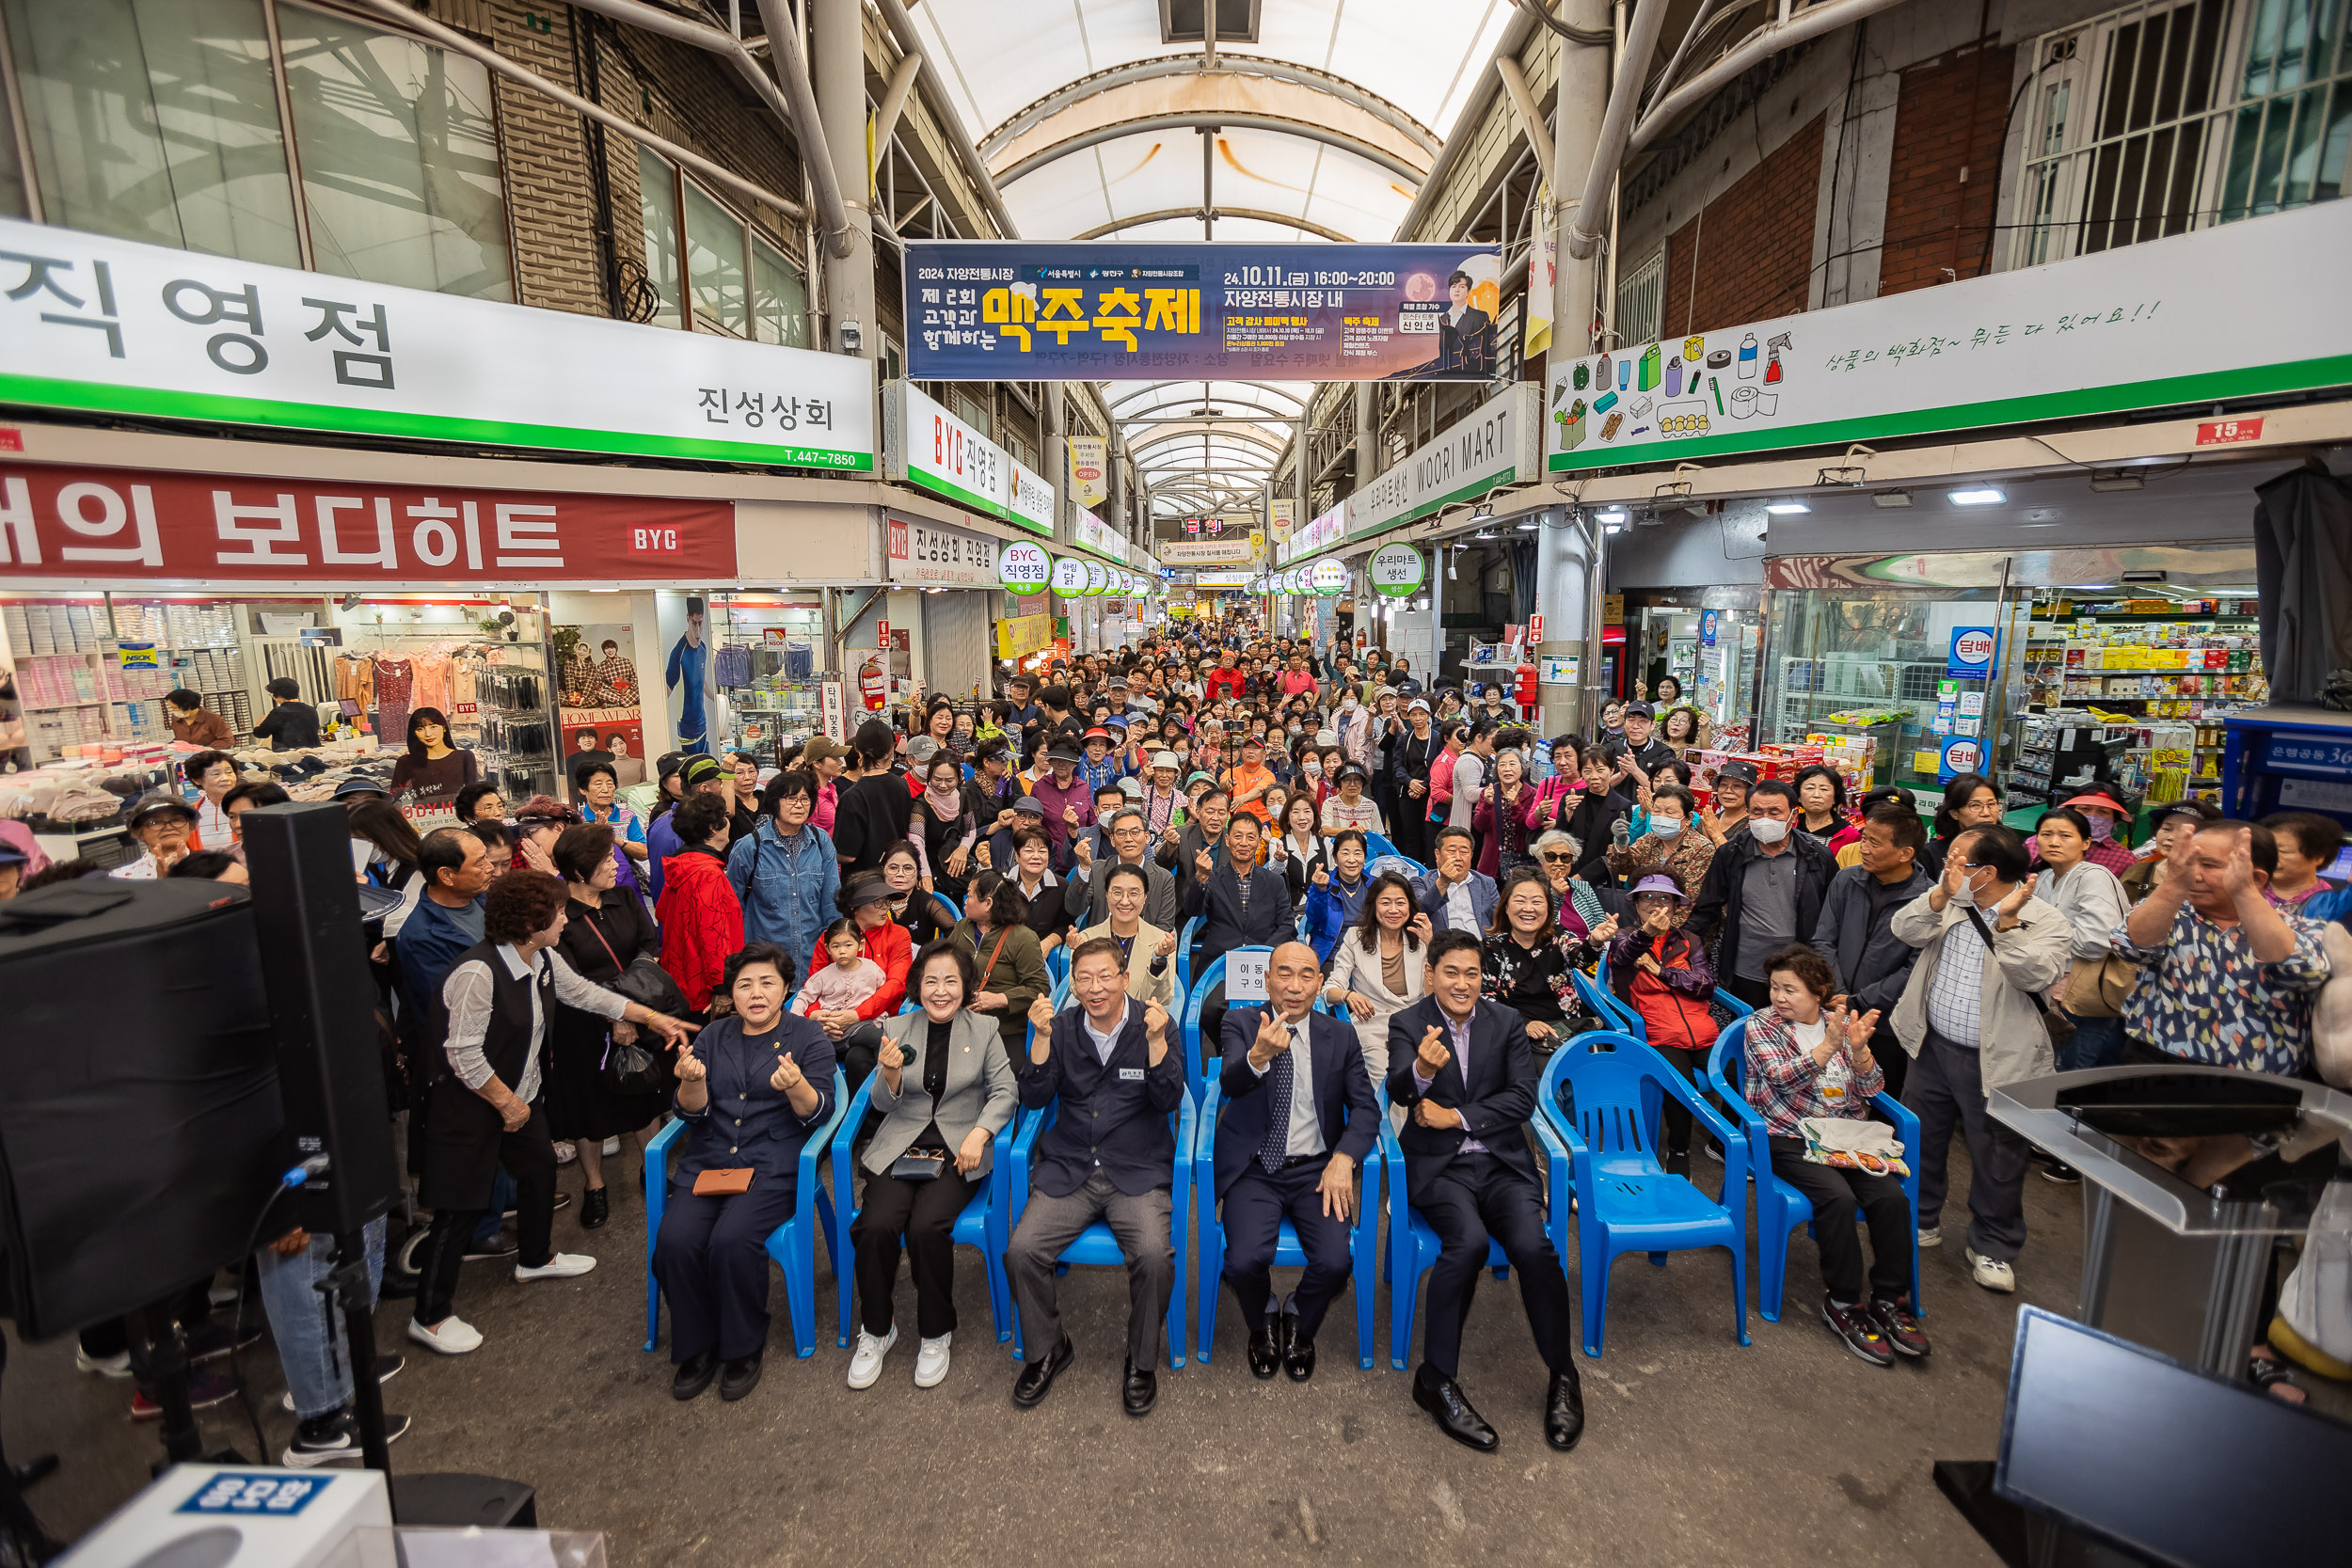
{"x":2190,"y":1177}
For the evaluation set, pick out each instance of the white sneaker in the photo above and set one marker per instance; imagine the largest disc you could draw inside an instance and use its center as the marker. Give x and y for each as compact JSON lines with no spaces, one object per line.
{"x":866,"y":1361}
{"x":563,"y":1265}
{"x":1991,"y":1272}
{"x":452,"y":1335}
{"x":1932,"y":1236}
{"x":117,"y":1365}
{"x":930,"y":1362}
{"x":611,"y":1146}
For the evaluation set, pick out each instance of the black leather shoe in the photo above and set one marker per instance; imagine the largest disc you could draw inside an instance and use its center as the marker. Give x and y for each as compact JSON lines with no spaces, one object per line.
{"x":694,"y":1374}
{"x":595,"y":1207}
{"x":1140,"y":1391}
{"x":1564,"y":1411}
{"x":1299,"y":1355}
{"x":1038,"y":1376}
{"x":1265,"y":1347}
{"x":740,"y":1377}
{"x":1443,"y":1398}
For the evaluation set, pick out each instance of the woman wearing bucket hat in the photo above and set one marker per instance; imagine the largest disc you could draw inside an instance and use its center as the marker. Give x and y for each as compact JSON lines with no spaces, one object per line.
{"x":1661,"y":972}
{"x":2109,"y":821}
{"x":855,"y":1031}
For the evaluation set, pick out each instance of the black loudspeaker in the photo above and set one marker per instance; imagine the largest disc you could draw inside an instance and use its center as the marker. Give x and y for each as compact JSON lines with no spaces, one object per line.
{"x":139,"y":1123}
{"x":322,"y":1007}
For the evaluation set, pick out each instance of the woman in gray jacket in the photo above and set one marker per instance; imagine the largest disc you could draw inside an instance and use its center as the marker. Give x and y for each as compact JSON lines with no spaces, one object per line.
{"x":945,"y":1089}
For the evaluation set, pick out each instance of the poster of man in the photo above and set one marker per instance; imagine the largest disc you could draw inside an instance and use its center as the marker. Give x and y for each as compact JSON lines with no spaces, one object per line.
{"x":599,"y":701}
{"x":1463,"y":323}
{"x":686,"y":678}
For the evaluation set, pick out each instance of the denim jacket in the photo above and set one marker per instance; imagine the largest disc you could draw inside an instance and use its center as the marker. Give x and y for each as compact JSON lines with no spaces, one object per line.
{"x":786,"y":886}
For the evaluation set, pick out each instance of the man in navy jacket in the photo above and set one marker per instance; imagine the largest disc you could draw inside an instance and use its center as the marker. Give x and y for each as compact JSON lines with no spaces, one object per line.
{"x":1461,"y":1068}
{"x":1109,"y":1155}
{"x":1290,"y":1147}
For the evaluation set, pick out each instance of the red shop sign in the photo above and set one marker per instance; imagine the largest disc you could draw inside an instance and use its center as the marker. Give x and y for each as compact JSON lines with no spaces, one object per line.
{"x":82,"y":524}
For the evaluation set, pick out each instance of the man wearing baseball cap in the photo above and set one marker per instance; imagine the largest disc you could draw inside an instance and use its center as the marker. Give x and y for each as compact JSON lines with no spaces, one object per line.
{"x":1067,"y":799}
{"x":1248,"y":780}
{"x":1640,"y":740}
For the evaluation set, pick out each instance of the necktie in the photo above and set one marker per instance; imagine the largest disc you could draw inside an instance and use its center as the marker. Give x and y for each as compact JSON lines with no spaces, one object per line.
{"x":1276,"y":1145}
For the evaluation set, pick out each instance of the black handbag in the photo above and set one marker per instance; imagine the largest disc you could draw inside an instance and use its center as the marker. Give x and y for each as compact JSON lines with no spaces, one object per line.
{"x":631,"y":1069}
{"x":645,"y":982}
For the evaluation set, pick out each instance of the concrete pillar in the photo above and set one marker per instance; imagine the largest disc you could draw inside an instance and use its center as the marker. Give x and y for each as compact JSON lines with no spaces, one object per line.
{"x":1116,"y":460}
{"x":1367,"y":433}
{"x":1057,"y":459}
{"x":1306,"y":484}
{"x":1570,"y":578}
{"x":837,"y":68}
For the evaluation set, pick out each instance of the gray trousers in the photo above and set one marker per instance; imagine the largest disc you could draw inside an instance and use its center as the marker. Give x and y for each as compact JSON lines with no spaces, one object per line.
{"x":1050,"y":1224}
{"x":1947,"y":1084}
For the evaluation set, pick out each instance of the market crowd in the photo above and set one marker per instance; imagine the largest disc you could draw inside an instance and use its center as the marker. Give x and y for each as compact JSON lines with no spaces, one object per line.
{"x":974,"y":914}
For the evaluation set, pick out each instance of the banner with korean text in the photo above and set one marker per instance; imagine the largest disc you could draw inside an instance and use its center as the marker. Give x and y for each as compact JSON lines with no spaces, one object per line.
{"x":114,"y":326}
{"x":127,"y":525}
{"x":1111,"y":310}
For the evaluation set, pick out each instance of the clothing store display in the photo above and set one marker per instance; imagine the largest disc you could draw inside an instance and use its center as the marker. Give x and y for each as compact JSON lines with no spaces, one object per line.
{"x":395,"y":687}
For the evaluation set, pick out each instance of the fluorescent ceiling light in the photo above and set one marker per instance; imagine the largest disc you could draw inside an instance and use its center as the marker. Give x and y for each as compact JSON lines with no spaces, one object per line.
{"x":1530,"y":526}
{"x":1787,"y":509}
{"x":1614,"y":528}
{"x":1983,"y":496}
{"x":1890,"y":498}
{"x":1613,"y":514}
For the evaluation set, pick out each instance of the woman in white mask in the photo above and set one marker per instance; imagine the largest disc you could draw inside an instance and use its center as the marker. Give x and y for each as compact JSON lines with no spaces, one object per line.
{"x":1673,"y":845}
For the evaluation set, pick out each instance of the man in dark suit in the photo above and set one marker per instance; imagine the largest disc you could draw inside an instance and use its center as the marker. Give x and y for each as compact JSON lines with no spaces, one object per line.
{"x":1298,"y":1120}
{"x":1110,"y":1155}
{"x":1240,"y":903}
{"x":1086,"y":897}
{"x":1462,"y":1068}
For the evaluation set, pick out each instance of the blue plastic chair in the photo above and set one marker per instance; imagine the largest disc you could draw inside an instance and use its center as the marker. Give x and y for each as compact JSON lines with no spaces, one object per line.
{"x":1057,"y":963}
{"x":1602,"y":1003}
{"x":1377,"y":845}
{"x":1624,"y":1201}
{"x":1196,"y":1001}
{"x":1186,"y":934}
{"x":1095,"y":1244}
{"x":1363,"y":1241}
{"x":792,"y":1244}
{"x":1779,"y":1207}
{"x":981,"y":1224}
{"x":1413,"y":1245}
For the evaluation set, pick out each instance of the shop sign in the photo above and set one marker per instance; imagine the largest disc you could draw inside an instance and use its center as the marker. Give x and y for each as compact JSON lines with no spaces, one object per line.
{"x":1283,"y":519}
{"x":1397,"y":571}
{"x":1709,"y":622}
{"x":1960,"y":754}
{"x":1493,"y":447}
{"x":1029,"y":499}
{"x":1115,"y":311}
{"x":1098,"y":578}
{"x":926,"y":553}
{"x":1092,"y":533}
{"x":1971,"y":654}
{"x":138,"y":655}
{"x":115,"y":326}
{"x":97,"y":525}
{"x":1321,"y":533}
{"x":2141,"y":326}
{"x":1613,"y":609}
{"x":1024,"y":568}
{"x":1328,"y":577}
{"x":924,"y":446}
{"x":1089,"y":469}
{"x":1206,"y":552}
{"x":1020,"y":635}
{"x":1070,"y":577}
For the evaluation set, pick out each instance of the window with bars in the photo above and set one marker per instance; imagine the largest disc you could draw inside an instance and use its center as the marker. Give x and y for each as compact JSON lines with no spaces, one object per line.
{"x":1642,"y":299}
{"x":2169,"y":116}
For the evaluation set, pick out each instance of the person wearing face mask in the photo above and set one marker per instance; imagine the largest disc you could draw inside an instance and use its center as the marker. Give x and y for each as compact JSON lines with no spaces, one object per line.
{"x":1672,"y":845}
{"x":1971,"y":1019}
{"x":1762,"y":893}
{"x":2108,"y":821}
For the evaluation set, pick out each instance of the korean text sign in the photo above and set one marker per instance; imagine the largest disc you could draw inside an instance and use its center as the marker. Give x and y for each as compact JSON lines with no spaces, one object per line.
{"x":1007,"y":310}
{"x":92,"y":323}
{"x":80,"y":525}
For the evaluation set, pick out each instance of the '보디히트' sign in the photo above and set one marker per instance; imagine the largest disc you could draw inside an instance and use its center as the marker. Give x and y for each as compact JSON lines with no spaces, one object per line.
{"x":112,"y":326}
{"x":102,"y":525}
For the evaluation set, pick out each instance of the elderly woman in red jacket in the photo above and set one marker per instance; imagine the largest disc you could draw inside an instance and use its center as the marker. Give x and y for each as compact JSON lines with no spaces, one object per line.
{"x":702,"y":920}
{"x":857,"y":1032}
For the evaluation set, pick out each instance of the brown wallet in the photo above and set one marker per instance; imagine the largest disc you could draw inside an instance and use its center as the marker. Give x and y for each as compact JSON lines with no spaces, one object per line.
{"x":724,"y":1184}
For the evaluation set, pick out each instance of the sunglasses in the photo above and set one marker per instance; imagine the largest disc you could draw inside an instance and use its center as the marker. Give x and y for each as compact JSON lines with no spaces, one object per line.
{"x":1553,"y":857}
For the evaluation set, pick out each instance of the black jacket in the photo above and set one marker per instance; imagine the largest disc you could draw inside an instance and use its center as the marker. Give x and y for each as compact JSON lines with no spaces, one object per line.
{"x":1720,"y":896}
{"x":870,"y":817}
{"x":1857,"y":935}
{"x":1345,"y":1107}
{"x":1592,"y":825}
{"x":1113,"y":1114}
{"x":1224,"y":923}
{"x":1495,"y":1103}
{"x":289,"y":727}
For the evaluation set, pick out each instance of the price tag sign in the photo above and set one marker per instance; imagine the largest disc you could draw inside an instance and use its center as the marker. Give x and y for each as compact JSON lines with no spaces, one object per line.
{"x":1245,"y":974}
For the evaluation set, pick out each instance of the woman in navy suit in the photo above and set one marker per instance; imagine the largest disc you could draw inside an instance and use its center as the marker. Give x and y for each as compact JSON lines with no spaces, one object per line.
{"x":750,"y":1090}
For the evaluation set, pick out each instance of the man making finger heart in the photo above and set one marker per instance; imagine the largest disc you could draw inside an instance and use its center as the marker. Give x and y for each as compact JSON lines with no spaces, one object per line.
{"x":1460,"y":1066}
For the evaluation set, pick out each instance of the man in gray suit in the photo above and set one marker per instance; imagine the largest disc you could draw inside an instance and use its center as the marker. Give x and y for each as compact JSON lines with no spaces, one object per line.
{"x":1085,"y":899}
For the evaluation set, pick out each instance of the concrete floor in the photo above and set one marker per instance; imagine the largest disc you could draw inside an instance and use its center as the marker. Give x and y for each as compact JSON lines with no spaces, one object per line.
{"x":1790,"y":1452}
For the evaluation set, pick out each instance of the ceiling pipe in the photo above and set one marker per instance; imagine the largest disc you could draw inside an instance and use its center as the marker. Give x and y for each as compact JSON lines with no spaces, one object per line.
{"x":1531,"y":119}
{"x":456,"y":42}
{"x":1625,"y":94}
{"x":824,"y":180}
{"x":893,"y":15}
{"x":1765,"y":41}
{"x":893,"y":102}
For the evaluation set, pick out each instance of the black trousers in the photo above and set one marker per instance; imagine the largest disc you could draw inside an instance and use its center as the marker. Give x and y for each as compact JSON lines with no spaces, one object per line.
{"x":1410,"y":823}
{"x":924,"y":1213}
{"x":1255,"y":1206}
{"x":858,"y":1048}
{"x":530,"y":1159}
{"x":711,"y":1258}
{"x":1475,"y":1197}
{"x":1755,"y":993}
{"x":1692,"y":1065}
{"x":1836,"y":1194}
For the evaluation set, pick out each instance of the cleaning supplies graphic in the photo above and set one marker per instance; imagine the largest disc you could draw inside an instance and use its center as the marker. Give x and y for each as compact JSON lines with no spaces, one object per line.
{"x":1747,"y":357}
{"x":1625,"y":374}
{"x":1778,"y":346}
{"x":1649,"y":368}
{"x":1600,"y":376}
{"x":1717,"y":388}
{"x":1674,"y":376}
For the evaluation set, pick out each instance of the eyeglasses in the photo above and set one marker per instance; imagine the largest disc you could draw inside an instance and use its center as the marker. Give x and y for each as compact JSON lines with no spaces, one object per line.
{"x":1553,"y":857}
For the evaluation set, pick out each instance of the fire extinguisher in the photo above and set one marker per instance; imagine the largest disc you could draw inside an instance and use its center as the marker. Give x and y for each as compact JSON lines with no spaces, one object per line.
{"x":1523,"y":688}
{"x":874,"y":684}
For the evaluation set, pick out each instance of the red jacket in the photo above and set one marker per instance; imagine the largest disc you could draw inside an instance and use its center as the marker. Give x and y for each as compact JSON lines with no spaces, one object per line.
{"x":888,"y":946}
{"x":1225,"y":683}
{"x":702,"y":922}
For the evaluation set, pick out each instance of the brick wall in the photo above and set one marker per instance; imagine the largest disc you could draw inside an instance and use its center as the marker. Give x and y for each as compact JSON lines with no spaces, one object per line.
{"x":1946,"y":167}
{"x":1751,"y":247}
